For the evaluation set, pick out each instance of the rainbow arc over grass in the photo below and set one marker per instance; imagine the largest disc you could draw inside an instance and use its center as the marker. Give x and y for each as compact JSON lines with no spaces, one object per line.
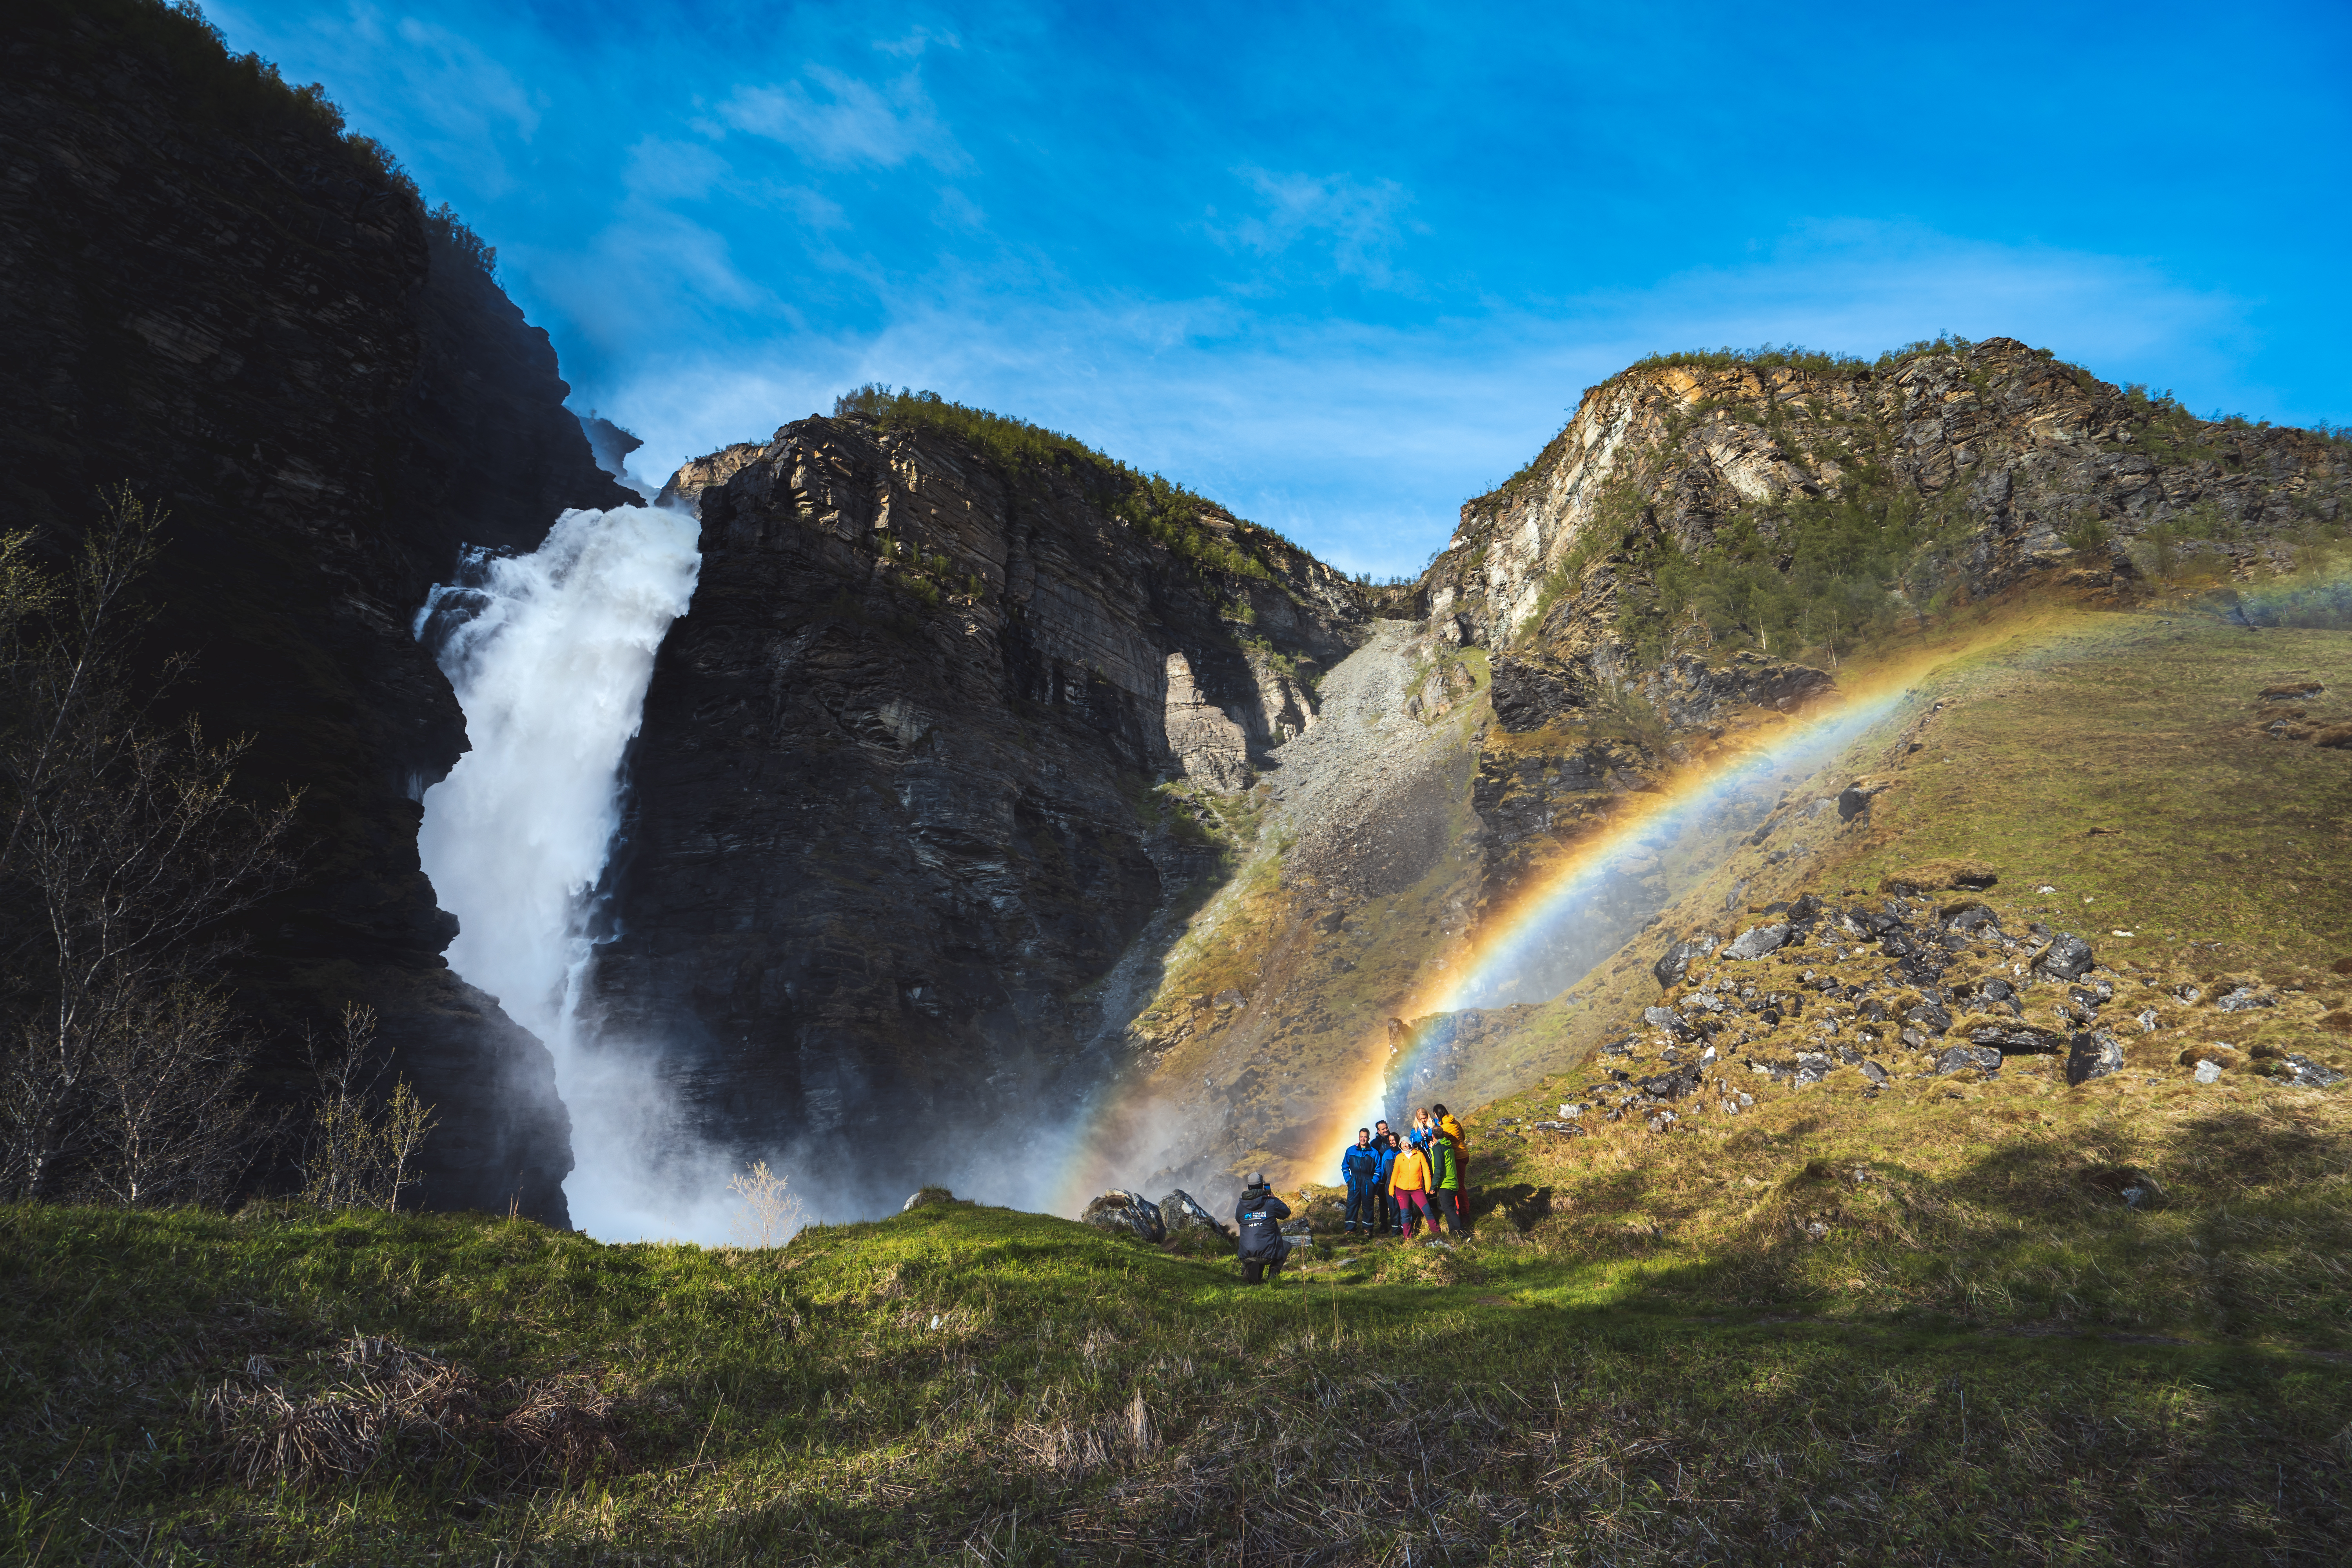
{"x":1544,"y":914}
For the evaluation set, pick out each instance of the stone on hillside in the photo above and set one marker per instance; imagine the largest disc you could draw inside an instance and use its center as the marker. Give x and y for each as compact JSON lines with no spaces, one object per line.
{"x":1929,"y":1017}
{"x":1666,"y":1018}
{"x":1984,"y":1058}
{"x":2208,"y":1072}
{"x":1180,"y":1211}
{"x":2244,"y":999}
{"x":1878,"y":1075}
{"x":1756,"y":941}
{"x":1935,"y":876}
{"x":1228,"y":1000}
{"x":2094,"y":1055}
{"x":1132,"y":1212}
{"x":1671,"y":969}
{"x":2068,"y":957}
{"x":926,"y":1199}
{"x":2309,"y":1074}
{"x":2015,"y":1038}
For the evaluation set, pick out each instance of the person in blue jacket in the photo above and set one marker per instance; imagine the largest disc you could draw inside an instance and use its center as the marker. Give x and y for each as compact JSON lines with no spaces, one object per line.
{"x":1385,"y":1142}
{"x":1359,"y":1169}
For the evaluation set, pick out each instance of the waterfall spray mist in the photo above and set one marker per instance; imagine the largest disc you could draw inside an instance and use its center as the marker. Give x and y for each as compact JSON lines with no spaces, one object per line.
{"x":549,"y":655}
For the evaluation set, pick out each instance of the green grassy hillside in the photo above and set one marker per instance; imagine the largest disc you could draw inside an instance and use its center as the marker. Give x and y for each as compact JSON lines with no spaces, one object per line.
{"x":972,"y":1384}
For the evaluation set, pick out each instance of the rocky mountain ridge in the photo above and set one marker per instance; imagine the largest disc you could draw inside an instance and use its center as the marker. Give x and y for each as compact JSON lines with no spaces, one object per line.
{"x":927,"y":759}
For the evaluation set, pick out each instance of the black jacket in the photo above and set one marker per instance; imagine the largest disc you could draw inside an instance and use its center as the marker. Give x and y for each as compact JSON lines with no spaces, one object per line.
{"x":1259,"y":1216}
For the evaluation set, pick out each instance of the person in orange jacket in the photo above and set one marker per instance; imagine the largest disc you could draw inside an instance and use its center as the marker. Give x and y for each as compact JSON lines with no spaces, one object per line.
{"x":1409,"y":1181}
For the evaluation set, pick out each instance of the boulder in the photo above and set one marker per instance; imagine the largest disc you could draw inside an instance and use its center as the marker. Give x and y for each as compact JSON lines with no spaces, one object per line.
{"x":926,"y":1199}
{"x":1666,"y":1018}
{"x":2015,"y":1039}
{"x":1180,"y":1211}
{"x":2093,"y":1055}
{"x":1878,"y":1075}
{"x":2245,"y":999}
{"x":2208,"y":1072}
{"x":1935,"y":876}
{"x":1756,"y":941}
{"x":2309,"y":1074}
{"x":1984,"y":1058}
{"x":2068,"y":957}
{"x":1670,"y":970}
{"x":1132,"y":1212}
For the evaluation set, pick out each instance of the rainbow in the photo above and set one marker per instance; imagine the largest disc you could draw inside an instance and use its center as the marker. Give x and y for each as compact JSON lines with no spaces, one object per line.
{"x":1543,"y":915}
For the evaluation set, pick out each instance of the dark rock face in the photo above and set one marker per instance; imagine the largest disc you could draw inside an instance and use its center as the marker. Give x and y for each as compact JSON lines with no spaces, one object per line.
{"x":890,"y":809}
{"x":2069,"y":957}
{"x":228,"y":308}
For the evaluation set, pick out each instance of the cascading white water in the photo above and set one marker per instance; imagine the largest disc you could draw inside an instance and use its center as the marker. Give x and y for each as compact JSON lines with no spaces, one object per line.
{"x":549,"y":655}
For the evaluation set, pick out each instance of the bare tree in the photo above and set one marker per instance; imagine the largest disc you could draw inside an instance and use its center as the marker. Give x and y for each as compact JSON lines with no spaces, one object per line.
{"x":126,"y":849}
{"x":767,"y":1212}
{"x":171,"y":1121}
{"x":362,"y":1152}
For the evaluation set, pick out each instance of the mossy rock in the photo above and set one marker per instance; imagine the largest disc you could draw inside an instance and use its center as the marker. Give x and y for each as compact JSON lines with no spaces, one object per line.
{"x":1937,"y":876}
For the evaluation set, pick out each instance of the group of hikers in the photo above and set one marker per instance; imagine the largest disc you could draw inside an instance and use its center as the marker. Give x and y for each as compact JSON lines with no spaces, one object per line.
{"x":1398,"y":1184}
{"x":1402,"y":1183}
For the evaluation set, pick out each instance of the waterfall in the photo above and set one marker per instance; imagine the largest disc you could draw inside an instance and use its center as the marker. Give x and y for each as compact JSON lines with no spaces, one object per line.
{"x":549,"y":655}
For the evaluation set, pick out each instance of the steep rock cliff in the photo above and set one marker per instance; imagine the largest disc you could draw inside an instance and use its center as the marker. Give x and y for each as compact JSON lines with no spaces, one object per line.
{"x":894,"y":801}
{"x":215,"y":295}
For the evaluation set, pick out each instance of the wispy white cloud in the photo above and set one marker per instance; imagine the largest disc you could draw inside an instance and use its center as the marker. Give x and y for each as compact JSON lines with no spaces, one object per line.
{"x":1361,"y":440}
{"x":846,"y":122}
{"x":1358,"y":224}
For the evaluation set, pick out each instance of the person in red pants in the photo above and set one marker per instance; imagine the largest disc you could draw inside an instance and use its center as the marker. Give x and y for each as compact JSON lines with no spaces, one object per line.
{"x":1408,"y":1183}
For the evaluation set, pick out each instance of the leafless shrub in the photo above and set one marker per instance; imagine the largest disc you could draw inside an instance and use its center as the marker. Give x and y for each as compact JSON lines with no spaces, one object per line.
{"x":171,"y":1119}
{"x":123,"y":847}
{"x":362,"y":1152}
{"x":766,"y":1213}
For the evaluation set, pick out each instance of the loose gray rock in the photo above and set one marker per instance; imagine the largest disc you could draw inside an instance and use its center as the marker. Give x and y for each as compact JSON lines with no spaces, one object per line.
{"x":2208,"y":1072}
{"x":2068,"y":957}
{"x":1670,"y":970}
{"x":1666,"y":1018}
{"x":2094,"y":1055}
{"x":1178,"y":1211}
{"x":2015,"y":1039}
{"x":2309,"y":1074}
{"x":1878,"y":1075}
{"x":1132,"y":1212}
{"x":1984,"y":1058}
{"x":2147,"y":1021}
{"x":1756,"y":942}
{"x":2244,"y":999}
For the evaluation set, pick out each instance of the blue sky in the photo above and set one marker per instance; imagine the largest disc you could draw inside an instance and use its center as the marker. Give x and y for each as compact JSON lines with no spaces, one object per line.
{"x":1343,"y":267}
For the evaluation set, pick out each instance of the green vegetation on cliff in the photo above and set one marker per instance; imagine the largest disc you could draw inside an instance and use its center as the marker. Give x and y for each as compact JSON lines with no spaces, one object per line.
{"x":1165,"y":512}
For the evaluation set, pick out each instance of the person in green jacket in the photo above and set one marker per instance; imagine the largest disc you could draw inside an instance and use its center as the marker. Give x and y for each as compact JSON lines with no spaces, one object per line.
{"x":1445,"y":1183}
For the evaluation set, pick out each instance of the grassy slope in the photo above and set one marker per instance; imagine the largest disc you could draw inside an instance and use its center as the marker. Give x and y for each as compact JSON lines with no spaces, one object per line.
{"x":973,"y":1383}
{"x":1645,"y":1356}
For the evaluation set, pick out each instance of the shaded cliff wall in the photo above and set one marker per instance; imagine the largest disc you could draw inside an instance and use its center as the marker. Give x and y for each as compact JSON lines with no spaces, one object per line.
{"x":214,"y":295}
{"x":894,"y":811}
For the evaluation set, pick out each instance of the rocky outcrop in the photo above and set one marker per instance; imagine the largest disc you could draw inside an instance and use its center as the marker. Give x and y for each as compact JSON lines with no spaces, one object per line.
{"x":2014,"y":450}
{"x":893,"y":809}
{"x":215,"y":295}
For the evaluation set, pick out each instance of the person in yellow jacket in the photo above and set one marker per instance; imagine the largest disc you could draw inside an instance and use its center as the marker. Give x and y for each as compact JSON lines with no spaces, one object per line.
{"x":1409,"y":1181}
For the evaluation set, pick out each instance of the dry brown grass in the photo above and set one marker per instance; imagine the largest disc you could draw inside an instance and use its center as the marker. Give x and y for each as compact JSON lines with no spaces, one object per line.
{"x":383,"y":1399}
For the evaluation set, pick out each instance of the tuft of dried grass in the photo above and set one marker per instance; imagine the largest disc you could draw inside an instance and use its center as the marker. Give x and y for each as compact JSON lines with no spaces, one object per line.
{"x":386,"y":1397}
